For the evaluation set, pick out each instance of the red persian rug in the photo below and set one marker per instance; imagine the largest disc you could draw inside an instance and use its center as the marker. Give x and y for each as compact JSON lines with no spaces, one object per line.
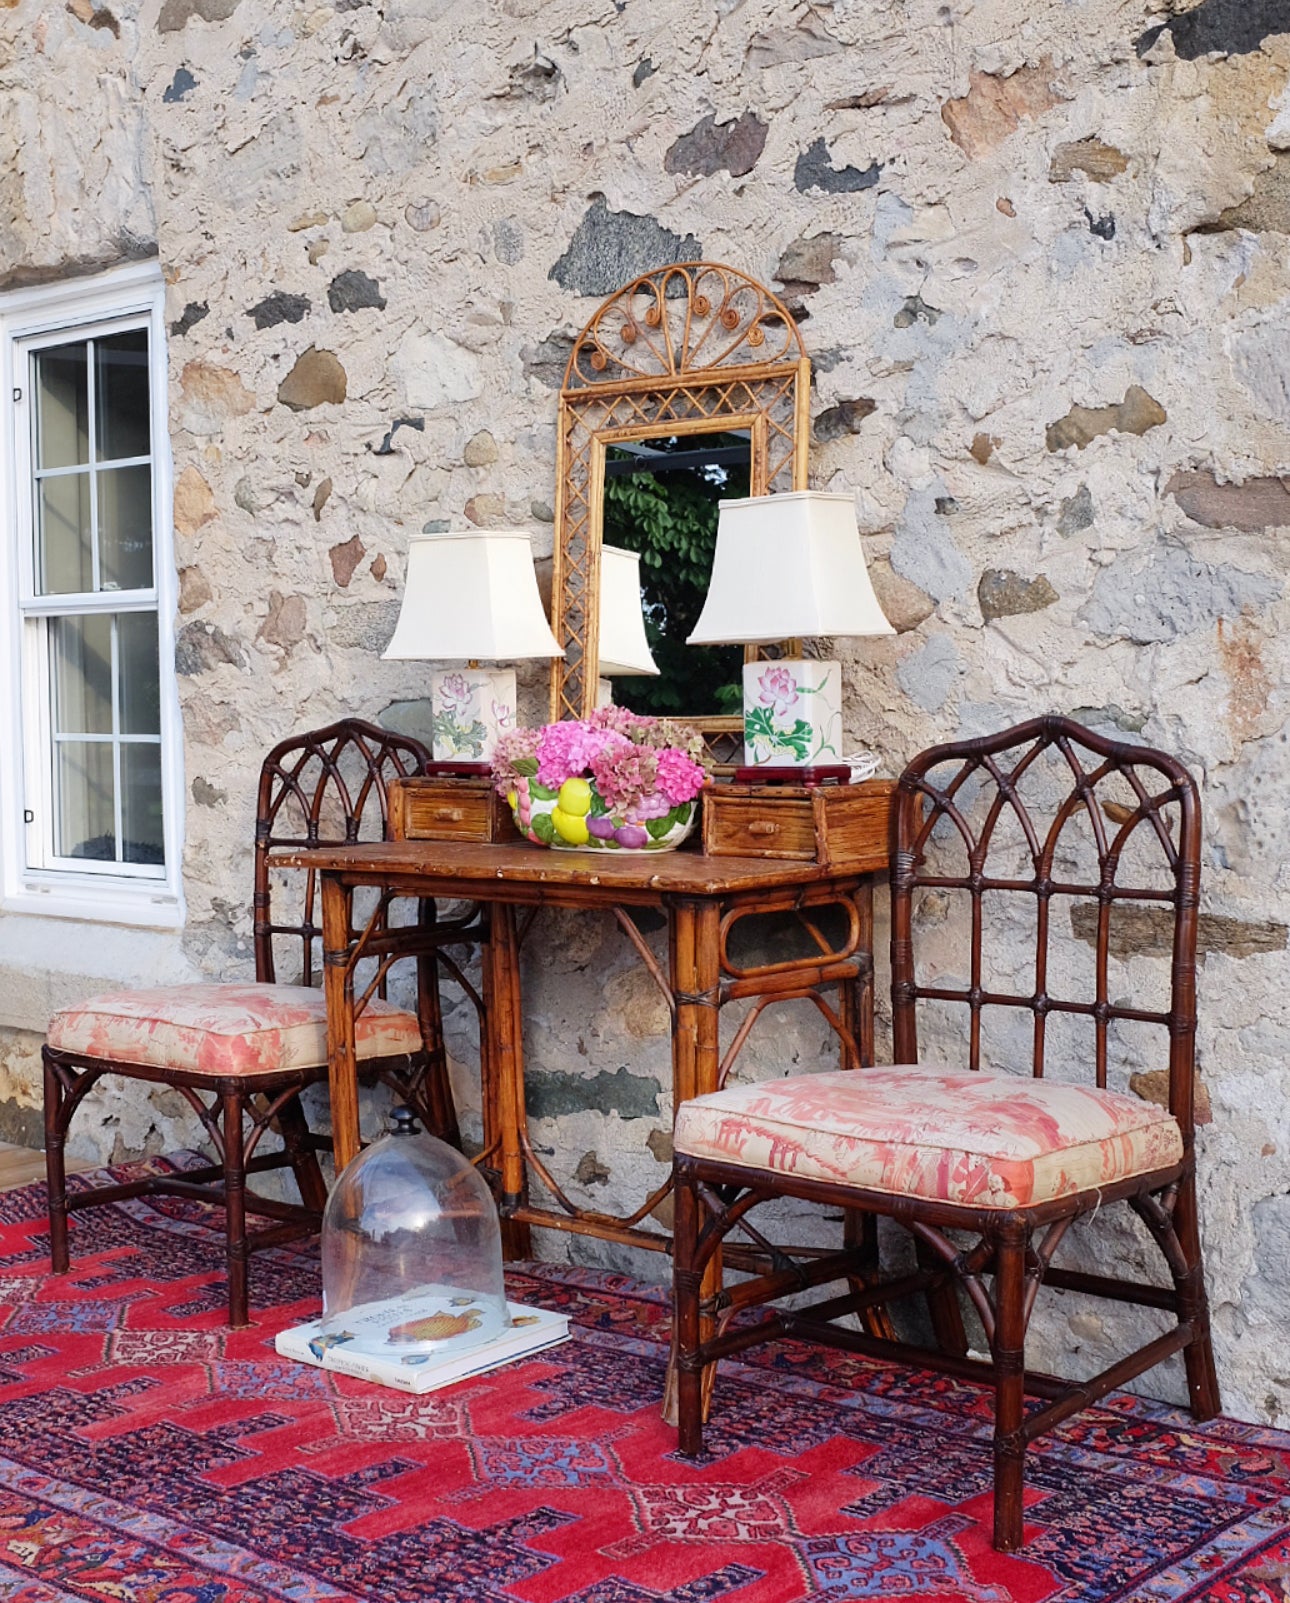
{"x":149,"y":1455}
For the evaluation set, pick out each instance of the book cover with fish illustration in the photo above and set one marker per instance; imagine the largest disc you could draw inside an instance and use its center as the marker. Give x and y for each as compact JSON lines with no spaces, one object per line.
{"x":424,"y":1339}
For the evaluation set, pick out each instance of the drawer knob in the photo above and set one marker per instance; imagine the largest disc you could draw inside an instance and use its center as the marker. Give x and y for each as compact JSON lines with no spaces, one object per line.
{"x":449,"y":815}
{"x":763,"y":826}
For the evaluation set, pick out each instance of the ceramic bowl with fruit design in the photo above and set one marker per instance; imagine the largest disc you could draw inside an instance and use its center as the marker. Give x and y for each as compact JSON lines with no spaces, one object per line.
{"x":576,"y":817}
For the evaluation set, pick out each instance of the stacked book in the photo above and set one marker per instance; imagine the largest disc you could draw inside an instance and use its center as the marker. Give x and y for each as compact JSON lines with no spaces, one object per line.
{"x":423,"y":1340}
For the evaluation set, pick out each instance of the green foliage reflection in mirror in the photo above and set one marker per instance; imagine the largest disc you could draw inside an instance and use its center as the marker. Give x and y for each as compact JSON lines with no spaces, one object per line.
{"x":661,"y":498}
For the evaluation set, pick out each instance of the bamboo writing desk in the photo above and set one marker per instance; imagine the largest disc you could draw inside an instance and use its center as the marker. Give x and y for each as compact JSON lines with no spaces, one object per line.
{"x":703,"y":899}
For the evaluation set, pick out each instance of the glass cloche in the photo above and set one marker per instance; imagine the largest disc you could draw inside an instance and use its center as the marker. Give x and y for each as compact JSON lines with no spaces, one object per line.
{"x":411,"y":1253}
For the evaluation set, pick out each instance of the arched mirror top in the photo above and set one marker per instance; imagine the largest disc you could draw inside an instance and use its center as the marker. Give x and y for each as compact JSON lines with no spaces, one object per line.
{"x":689,"y":349}
{"x":682,"y":320}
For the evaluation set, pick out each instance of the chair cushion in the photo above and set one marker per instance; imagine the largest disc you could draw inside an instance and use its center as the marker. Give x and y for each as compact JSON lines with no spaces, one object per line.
{"x":950,"y":1135}
{"x":224,"y":1029}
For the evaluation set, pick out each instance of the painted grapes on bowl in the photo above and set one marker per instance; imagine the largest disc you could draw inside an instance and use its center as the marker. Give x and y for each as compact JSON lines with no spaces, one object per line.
{"x":616,"y":781}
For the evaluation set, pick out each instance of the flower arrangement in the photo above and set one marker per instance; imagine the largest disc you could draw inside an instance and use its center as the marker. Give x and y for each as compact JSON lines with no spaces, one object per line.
{"x":615,"y":781}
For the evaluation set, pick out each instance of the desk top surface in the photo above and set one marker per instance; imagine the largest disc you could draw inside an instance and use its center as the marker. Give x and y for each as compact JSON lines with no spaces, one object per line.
{"x":479,"y":863}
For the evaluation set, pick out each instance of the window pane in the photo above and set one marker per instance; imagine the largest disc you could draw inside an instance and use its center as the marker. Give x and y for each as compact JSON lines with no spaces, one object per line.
{"x":62,"y":406}
{"x":81,"y":652}
{"x":63,"y":513}
{"x":125,"y":529}
{"x":83,"y":776}
{"x":141,"y":803}
{"x":121,"y":361}
{"x":140,"y":673}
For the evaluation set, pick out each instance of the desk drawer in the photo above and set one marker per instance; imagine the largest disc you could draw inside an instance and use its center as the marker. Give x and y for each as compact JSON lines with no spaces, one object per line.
{"x":432,"y":808}
{"x":748,"y":826}
{"x":832,"y":824}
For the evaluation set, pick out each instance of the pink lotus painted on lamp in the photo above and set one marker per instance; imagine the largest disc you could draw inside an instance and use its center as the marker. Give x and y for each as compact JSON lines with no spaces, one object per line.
{"x":613,"y":782}
{"x":458,"y":690}
{"x":777,"y":690}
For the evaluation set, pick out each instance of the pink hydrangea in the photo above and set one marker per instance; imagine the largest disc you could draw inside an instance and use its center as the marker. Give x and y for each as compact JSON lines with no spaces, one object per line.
{"x":623,"y":722}
{"x":680,"y":778}
{"x":641,"y":766}
{"x":656,"y":733}
{"x":686,"y":738}
{"x":624,"y":773}
{"x":516,"y":746}
{"x":566,"y":749}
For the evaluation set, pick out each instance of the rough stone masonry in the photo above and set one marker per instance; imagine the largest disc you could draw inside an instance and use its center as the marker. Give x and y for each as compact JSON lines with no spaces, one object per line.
{"x":1039,"y":255}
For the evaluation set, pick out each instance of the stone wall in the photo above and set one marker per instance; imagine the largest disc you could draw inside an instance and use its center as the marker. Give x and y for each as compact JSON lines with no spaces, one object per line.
{"x":1039,"y":254}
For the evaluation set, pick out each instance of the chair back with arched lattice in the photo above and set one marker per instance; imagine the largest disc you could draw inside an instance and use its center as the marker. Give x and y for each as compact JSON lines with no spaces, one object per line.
{"x":323,"y":788}
{"x":1036,"y":873}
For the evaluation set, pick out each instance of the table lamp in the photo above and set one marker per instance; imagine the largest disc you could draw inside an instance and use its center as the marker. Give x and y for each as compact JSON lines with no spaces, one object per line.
{"x":786,"y":566}
{"x":623,"y":647}
{"x":471,"y":594}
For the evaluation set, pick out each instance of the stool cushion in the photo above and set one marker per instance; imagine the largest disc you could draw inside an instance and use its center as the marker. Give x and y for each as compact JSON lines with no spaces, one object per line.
{"x":950,"y":1135}
{"x":224,"y":1029}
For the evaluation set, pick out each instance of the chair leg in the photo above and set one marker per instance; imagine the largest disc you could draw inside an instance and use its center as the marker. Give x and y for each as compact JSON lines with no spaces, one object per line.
{"x":1193,"y":1305}
{"x":860,"y":1236}
{"x":55,"y":1167}
{"x":436,"y":1093}
{"x":294,"y":1128}
{"x":235,"y":1205}
{"x":943,"y":1306}
{"x":687,"y":1280}
{"x":1009,"y":1352}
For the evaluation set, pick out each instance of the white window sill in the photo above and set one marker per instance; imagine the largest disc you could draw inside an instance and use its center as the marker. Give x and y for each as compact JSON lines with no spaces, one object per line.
{"x":151,"y":905}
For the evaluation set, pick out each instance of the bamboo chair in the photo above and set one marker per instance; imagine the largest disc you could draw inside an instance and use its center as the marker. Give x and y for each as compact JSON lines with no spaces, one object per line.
{"x":241,"y":1053}
{"x":1006,"y":1161}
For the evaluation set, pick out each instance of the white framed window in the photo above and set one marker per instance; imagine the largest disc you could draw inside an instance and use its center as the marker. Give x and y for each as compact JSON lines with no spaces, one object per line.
{"x":91,"y":794}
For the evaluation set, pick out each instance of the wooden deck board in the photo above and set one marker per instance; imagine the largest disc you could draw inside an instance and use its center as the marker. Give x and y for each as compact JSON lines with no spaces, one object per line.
{"x":21,"y":1166}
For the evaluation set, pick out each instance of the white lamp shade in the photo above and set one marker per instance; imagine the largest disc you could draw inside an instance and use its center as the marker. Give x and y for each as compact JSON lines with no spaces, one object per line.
{"x":623,"y":646}
{"x":471,"y":595}
{"x":788,"y":565}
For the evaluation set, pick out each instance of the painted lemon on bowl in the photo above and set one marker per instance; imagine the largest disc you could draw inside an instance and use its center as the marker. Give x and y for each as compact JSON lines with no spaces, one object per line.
{"x":575,"y":797}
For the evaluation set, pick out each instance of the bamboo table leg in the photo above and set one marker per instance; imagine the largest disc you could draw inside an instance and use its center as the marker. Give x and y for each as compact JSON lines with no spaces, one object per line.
{"x":855,"y":996}
{"x":695,"y":950}
{"x":863,"y":987}
{"x":338,"y":985}
{"x":503,"y":1067}
{"x":696,"y":980}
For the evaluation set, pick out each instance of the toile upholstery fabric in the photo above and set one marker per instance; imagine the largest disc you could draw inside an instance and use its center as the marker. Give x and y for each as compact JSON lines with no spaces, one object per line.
{"x":949,"y":1135}
{"x":224,"y":1029}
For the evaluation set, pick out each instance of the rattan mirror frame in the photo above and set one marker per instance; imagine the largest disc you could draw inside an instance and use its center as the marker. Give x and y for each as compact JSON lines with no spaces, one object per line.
{"x":683,"y":349}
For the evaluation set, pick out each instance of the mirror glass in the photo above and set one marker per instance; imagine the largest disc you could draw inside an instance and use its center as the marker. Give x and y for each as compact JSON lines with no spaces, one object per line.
{"x":661,"y":498}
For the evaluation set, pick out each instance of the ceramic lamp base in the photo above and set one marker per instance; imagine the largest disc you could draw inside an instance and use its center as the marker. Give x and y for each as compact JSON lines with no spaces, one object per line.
{"x":471,"y":708}
{"x":792,"y":713}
